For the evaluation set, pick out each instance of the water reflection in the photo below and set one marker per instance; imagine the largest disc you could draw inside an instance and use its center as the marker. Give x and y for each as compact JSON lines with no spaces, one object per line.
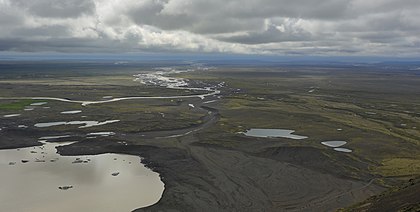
{"x":334,"y":143}
{"x":343,"y":150}
{"x":71,"y":112}
{"x":34,"y":186}
{"x":266,"y":133}
{"x":85,"y":124}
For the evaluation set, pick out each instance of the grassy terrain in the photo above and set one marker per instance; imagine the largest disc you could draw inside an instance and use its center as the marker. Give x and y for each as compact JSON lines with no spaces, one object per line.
{"x":16,"y":105}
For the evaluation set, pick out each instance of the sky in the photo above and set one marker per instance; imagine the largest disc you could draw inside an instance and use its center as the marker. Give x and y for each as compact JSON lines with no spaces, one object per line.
{"x":262,"y":27}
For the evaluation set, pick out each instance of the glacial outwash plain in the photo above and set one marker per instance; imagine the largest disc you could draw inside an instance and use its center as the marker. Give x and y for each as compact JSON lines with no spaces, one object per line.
{"x":210,"y":136}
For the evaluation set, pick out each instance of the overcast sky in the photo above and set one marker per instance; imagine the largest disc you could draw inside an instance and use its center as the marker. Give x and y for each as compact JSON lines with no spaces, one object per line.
{"x":284,"y":27}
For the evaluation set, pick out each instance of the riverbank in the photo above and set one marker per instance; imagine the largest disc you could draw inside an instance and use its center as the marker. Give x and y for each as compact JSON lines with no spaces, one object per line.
{"x":198,"y":146}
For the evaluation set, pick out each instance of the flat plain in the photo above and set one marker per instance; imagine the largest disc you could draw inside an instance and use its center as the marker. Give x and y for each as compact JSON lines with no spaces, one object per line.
{"x":198,"y":146}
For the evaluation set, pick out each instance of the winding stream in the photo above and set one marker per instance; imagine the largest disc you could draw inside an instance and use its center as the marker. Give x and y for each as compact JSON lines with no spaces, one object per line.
{"x":157,"y":78}
{"x":39,"y":179}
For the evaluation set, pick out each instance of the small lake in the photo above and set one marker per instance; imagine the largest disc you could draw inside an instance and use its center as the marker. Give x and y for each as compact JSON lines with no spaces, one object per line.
{"x":71,"y":112}
{"x":103,"y":134}
{"x":273,"y":133}
{"x":85,"y":124}
{"x":38,"y":103}
{"x":334,"y":143}
{"x":343,"y":150}
{"x":11,"y":115}
{"x":31,"y":178}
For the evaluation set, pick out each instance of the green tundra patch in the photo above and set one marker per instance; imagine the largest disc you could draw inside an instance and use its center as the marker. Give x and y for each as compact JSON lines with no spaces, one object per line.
{"x":16,"y":105}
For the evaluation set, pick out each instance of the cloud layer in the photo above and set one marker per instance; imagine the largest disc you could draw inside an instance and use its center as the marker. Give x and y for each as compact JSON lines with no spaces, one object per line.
{"x":307,"y":27}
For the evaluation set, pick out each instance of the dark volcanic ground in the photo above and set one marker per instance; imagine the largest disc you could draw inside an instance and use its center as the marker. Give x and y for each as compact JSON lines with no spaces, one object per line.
{"x":207,"y":166}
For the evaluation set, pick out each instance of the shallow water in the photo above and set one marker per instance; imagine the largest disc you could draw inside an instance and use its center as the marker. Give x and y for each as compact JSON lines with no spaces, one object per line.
{"x":85,"y":124}
{"x":157,"y":78}
{"x":211,"y":101}
{"x":71,"y":112}
{"x":38,"y":103}
{"x":334,"y":143}
{"x":343,"y":150}
{"x":101,"y":134}
{"x":34,"y":185}
{"x":277,"y":133}
{"x":107,"y":182}
{"x":54,"y":137}
{"x":11,"y":115}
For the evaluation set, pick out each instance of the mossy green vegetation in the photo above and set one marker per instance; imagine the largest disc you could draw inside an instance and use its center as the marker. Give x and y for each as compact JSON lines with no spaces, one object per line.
{"x":395,"y":167}
{"x":16,"y":104}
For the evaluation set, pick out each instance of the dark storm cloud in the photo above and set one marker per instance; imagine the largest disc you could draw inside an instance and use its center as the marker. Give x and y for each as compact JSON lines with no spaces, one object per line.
{"x":56,"y":8}
{"x":272,"y":34}
{"x":66,"y":45}
{"x":43,"y":31}
{"x":149,"y":14}
{"x":9,"y":19}
{"x":218,"y":16}
{"x":239,"y":26}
